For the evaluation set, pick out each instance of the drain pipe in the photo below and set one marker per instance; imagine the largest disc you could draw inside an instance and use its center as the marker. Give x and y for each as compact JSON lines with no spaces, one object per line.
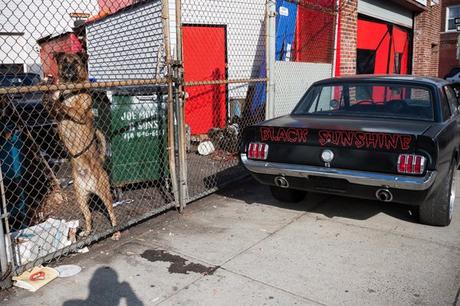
{"x":270,"y":57}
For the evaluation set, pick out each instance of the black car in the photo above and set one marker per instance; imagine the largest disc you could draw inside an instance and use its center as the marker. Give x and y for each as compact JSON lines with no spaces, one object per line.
{"x":26,"y":113}
{"x":391,"y":138}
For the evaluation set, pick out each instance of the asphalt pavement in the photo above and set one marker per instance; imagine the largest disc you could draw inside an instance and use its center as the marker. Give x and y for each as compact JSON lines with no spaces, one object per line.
{"x":241,"y":247}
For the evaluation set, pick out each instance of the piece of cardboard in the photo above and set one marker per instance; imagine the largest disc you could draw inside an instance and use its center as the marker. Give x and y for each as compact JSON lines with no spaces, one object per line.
{"x":36,"y":278}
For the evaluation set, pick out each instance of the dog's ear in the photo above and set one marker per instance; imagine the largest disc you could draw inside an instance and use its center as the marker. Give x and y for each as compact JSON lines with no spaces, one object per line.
{"x":58,"y":56}
{"x":83,"y":56}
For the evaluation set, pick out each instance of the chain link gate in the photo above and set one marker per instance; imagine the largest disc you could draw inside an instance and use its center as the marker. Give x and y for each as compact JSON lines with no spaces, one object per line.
{"x":86,"y":129}
{"x":244,"y":61}
{"x":223,"y":48}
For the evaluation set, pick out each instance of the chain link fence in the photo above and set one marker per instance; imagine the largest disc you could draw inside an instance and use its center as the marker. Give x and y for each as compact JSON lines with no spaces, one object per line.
{"x":305,"y":45}
{"x":115,"y":110}
{"x":224,"y":75}
{"x":85,"y":140}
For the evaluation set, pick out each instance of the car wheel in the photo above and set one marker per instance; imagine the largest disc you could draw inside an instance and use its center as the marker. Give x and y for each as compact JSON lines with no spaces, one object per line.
{"x":287,"y":195}
{"x":439,"y":209}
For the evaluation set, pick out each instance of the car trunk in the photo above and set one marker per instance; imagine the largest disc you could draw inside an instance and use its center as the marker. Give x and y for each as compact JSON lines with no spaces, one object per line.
{"x":366,"y":144}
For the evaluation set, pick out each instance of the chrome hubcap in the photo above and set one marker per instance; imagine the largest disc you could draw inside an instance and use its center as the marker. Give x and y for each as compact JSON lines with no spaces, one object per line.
{"x":452,"y":196}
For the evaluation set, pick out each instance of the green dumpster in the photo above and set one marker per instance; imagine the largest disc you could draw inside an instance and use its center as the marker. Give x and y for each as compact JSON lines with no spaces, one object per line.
{"x":133,"y":119}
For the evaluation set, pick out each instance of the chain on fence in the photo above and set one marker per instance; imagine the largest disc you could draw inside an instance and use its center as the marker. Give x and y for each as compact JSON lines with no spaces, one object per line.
{"x":85,"y":135}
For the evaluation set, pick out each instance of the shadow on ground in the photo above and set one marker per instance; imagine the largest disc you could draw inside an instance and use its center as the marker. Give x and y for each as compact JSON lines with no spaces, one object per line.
{"x":105,"y":289}
{"x":251,"y":192}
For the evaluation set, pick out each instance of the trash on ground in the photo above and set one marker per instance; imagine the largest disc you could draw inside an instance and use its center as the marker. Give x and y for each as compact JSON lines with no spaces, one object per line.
{"x":36,"y":278}
{"x":205,"y":148}
{"x":83,"y":250}
{"x":123,"y":202}
{"x":42,"y":239}
{"x":68,"y":270}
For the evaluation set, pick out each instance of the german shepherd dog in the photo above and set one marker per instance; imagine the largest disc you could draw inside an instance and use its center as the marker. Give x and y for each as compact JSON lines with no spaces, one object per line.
{"x":84,"y":143}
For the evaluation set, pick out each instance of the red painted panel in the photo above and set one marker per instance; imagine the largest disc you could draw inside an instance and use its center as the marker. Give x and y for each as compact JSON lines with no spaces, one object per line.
{"x":401,"y":46}
{"x":314,"y":37}
{"x":112,"y":6}
{"x":204,"y":60}
{"x":375,"y":36}
{"x":66,"y":43}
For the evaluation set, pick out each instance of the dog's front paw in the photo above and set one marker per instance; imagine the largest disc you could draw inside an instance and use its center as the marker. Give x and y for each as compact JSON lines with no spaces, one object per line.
{"x":116,"y":236}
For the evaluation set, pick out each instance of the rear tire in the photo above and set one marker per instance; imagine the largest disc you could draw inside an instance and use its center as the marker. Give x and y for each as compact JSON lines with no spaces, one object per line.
{"x":287,"y":195}
{"x":439,"y":209}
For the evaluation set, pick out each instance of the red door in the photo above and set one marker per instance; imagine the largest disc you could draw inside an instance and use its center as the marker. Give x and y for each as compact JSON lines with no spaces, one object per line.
{"x":205,"y":60}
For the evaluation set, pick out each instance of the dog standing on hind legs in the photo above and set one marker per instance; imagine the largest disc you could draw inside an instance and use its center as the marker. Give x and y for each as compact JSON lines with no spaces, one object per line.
{"x":84,"y":143}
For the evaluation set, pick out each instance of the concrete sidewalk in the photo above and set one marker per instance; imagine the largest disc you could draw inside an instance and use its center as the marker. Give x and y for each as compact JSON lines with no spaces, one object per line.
{"x":241,"y":247}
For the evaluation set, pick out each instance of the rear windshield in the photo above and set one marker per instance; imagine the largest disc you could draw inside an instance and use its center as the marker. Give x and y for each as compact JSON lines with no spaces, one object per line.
{"x":371,"y":100}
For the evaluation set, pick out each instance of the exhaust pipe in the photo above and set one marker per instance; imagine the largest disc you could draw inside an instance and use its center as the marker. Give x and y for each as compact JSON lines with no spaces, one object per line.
{"x":281,"y":182}
{"x":384,"y":195}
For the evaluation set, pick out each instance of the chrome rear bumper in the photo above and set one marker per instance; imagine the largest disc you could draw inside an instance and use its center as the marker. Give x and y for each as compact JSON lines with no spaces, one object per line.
{"x":352,"y":176}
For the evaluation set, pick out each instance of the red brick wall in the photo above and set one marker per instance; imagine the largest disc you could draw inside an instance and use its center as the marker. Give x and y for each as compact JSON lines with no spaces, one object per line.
{"x":426,"y":41}
{"x":348,"y":31}
{"x":448,"y":53}
{"x":448,"y":44}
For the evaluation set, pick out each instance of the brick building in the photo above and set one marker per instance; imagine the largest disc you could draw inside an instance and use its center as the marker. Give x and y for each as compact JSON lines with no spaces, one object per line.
{"x":397,"y":36}
{"x":448,"y":46}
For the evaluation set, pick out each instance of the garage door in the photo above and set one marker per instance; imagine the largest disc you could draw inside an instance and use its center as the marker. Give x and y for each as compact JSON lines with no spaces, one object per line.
{"x":382,"y":48}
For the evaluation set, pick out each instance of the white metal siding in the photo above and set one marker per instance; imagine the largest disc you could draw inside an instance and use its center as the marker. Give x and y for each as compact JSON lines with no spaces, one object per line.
{"x":245,"y":34}
{"x":387,"y":11}
{"x":126,"y":45}
{"x":292,"y":79}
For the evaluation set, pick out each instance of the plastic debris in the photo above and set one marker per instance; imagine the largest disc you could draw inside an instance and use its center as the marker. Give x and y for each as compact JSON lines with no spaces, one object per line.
{"x":205,"y":148}
{"x":29,"y":244}
{"x":122,"y":202}
{"x":68,"y":270}
{"x":83,"y":250}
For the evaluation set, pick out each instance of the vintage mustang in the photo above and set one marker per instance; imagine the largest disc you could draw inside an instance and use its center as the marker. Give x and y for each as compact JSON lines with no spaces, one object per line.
{"x":391,"y":138}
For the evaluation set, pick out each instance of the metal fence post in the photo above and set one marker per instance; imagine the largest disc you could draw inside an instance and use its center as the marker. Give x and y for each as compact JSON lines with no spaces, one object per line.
{"x":270,"y":57}
{"x":5,"y":266}
{"x":180,"y":98}
{"x":170,"y":118}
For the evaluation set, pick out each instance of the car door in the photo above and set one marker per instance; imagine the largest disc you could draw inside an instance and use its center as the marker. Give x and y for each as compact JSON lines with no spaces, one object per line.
{"x":449,"y":137}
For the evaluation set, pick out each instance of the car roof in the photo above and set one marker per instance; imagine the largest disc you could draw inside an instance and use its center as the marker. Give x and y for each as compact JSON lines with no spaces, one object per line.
{"x":384,"y":77}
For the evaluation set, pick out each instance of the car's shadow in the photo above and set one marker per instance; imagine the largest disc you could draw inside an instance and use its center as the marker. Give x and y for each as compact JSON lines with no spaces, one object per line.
{"x":329,"y":206}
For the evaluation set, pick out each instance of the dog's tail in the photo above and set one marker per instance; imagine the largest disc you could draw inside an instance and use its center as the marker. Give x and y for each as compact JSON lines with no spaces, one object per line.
{"x":102,"y":144}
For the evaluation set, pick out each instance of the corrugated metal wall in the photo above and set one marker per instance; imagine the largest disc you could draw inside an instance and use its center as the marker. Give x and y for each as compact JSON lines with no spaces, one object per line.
{"x":125,"y":45}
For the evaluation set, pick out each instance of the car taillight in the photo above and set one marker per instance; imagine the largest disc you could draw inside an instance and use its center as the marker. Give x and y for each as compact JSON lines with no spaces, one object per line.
{"x":411,"y":164}
{"x":257,"y":150}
